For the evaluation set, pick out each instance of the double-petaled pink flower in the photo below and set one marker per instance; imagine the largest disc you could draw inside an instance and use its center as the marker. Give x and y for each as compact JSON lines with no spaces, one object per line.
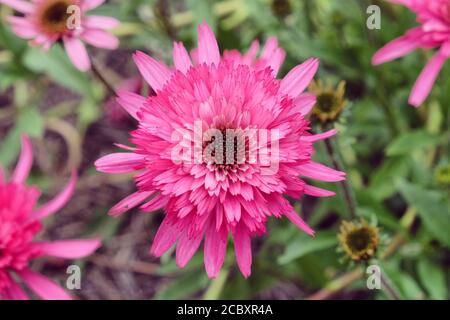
{"x":207,"y":199}
{"x":45,"y":22}
{"x":433,"y":32}
{"x":20,"y":222}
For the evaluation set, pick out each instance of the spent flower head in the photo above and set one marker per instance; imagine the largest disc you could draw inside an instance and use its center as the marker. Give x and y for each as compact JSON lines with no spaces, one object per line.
{"x":330,"y":100}
{"x":359,"y":239}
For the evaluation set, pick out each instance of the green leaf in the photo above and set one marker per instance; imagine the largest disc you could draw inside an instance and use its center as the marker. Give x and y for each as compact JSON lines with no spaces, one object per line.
{"x":401,"y":281}
{"x":88,"y":112}
{"x":382,"y":183}
{"x":305,"y":244}
{"x":432,"y":206}
{"x":31,"y":122}
{"x":28,"y":121}
{"x":10,"y":40}
{"x":410,"y":141}
{"x":433,"y":279}
{"x":58,"y":67}
{"x":184,"y":286}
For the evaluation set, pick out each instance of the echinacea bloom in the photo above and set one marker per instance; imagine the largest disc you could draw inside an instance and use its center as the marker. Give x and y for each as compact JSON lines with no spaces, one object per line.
{"x":45,"y":22}
{"x":433,"y":32}
{"x":207,"y":199}
{"x":20,"y":222}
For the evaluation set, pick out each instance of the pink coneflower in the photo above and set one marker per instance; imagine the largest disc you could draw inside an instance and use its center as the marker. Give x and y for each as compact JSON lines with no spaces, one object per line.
{"x":45,"y":22}
{"x":20,"y":222}
{"x":433,"y":32}
{"x":209,"y":199}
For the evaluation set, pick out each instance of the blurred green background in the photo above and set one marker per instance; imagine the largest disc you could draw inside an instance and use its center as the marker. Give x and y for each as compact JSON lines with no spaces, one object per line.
{"x":396,"y":157}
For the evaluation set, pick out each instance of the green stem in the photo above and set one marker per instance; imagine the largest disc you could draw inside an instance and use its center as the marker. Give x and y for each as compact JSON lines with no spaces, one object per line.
{"x":388,"y":288}
{"x":348,"y":195}
{"x":100,"y":77}
{"x":215,"y":288}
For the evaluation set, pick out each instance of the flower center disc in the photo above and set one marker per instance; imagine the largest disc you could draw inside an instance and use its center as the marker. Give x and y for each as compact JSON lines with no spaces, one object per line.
{"x":54,"y":16}
{"x":360,"y":239}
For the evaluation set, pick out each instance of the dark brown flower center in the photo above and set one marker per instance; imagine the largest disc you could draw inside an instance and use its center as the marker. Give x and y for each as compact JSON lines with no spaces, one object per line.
{"x":326,"y":102}
{"x":359,"y":239}
{"x":54,"y":17}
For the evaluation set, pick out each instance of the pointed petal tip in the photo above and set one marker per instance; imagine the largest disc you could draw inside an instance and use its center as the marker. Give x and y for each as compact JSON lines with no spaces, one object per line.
{"x":212,"y":274}
{"x":25,"y":162}
{"x":58,"y":201}
{"x":208,"y":48}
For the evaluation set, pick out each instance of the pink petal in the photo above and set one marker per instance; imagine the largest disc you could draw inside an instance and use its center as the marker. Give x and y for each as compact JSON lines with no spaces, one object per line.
{"x":269,"y":48}
{"x":100,"y":22}
{"x":320,"y":172}
{"x":295,"y":219}
{"x":42,"y":286}
{"x":19,"y":5}
{"x":58,"y":202}
{"x":426,"y":79}
{"x":186,"y":248}
{"x":165,"y":238}
{"x":232,"y":209}
{"x":155,"y":73}
{"x":318,"y":192}
{"x":123,"y":162}
{"x":208,"y":49}
{"x":243,"y":249}
{"x":181,"y":58}
{"x":276,"y":60}
{"x":320,"y":136}
{"x":92,"y":4}
{"x":25,"y":161}
{"x":304,"y":103}
{"x":22,"y":27}
{"x":296,"y":81}
{"x":131,"y":102}
{"x":101,"y":39}
{"x":14,"y":292}
{"x":129,"y":202}
{"x":68,"y":249}
{"x":395,"y":49}
{"x":77,"y":53}
{"x":155,"y":204}
{"x":215,"y":248}
{"x":250,"y":56}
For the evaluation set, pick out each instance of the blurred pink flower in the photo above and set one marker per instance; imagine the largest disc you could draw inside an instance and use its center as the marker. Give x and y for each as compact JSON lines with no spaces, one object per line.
{"x":48,"y":21}
{"x":433,"y":32}
{"x":113,"y":109}
{"x":209,"y":200}
{"x":20,"y":222}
